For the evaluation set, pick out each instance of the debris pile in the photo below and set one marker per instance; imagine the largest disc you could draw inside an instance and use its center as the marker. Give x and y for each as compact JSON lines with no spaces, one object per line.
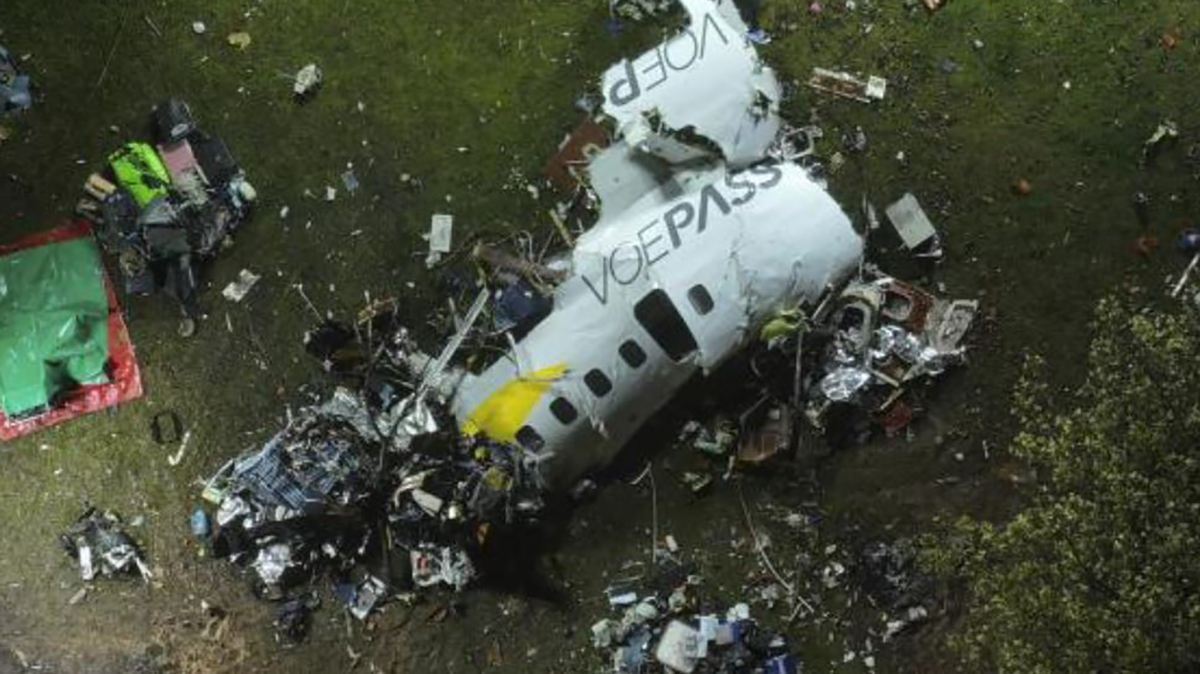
{"x":697,"y":221}
{"x":165,"y":207}
{"x":881,"y":336}
{"x":671,"y":630}
{"x":366,"y":489}
{"x":99,"y":545}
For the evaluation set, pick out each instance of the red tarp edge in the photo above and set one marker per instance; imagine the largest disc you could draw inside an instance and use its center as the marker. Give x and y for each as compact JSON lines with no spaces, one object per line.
{"x":126,"y":378}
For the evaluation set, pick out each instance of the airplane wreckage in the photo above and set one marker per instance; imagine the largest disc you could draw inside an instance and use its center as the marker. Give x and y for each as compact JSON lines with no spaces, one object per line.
{"x":707,"y":230}
{"x":710,"y":230}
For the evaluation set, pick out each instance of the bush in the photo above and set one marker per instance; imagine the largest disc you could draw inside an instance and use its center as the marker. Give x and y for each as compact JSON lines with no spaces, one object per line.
{"x":1100,"y":572}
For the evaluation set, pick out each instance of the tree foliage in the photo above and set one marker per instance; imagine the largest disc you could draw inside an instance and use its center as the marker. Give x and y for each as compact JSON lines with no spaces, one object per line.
{"x":1099,"y":572}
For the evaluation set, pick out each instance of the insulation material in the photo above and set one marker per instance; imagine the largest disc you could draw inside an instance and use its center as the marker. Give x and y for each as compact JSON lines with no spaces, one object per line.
{"x":657,"y":294}
{"x":93,"y":337}
{"x":702,"y":94}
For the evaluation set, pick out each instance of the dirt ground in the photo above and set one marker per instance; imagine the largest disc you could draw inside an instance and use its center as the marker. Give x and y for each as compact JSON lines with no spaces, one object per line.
{"x":470,"y":97}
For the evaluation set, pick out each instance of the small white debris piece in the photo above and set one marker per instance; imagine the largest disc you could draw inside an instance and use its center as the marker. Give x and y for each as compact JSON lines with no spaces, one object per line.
{"x":239,"y":40}
{"x":175,"y":458}
{"x":603,"y":633}
{"x":283,"y":213}
{"x":78,"y":596}
{"x":441,"y":231}
{"x":330,"y":193}
{"x":910,"y":222}
{"x":307,"y":80}
{"x":199,"y":28}
{"x":872,"y":215}
{"x":845,"y":85}
{"x":739,"y":611}
{"x":831,"y":575}
{"x":237,"y":290}
{"x":428,"y":502}
{"x":913,"y":615}
{"x":1167,"y":130}
{"x":431,"y":566}
{"x":876,"y":87}
{"x":618,"y":599}
{"x":246,"y":191}
{"x":678,"y":648}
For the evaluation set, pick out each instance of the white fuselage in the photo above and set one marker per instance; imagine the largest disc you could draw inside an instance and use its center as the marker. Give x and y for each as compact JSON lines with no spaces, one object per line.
{"x":666,"y":289}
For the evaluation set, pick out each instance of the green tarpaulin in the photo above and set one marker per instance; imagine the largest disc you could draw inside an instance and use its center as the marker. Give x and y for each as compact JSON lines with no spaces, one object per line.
{"x":53,"y":323}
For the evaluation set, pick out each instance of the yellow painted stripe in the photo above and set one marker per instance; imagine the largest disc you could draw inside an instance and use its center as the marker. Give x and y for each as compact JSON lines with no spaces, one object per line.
{"x":505,"y":411}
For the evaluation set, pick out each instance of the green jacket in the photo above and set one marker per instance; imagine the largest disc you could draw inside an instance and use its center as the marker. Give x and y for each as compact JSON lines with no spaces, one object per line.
{"x":141,"y":172}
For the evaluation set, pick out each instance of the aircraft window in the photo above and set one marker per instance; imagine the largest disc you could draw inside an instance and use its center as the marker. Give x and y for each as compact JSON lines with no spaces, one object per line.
{"x":632,"y":354}
{"x":530,"y":439}
{"x":661,"y":319}
{"x":598,"y":383}
{"x":701,"y":301}
{"x":563,"y":410}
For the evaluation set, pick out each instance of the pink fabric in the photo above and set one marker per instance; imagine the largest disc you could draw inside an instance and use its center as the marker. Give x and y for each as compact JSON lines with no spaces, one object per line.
{"x":178,"y":158}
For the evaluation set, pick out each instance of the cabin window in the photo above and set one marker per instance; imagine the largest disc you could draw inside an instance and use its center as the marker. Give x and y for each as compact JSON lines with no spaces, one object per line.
{"x":598,"y":383}
{"x":632,"y":354}
{"x":564,"y":411}
{"x":701,"y":301}
{"x":659,"y":317}
{"x":530,"y":439}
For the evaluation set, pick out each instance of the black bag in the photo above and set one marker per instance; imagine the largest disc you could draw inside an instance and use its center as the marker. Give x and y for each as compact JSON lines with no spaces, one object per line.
{"x":215,"y":159}
{"x":173,"y":120}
